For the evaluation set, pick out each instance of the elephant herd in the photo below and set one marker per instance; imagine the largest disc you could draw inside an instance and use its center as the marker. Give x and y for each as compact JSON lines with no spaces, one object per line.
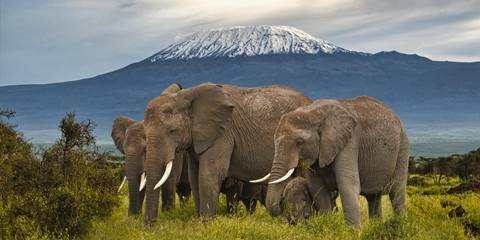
{"x":270,"y":144}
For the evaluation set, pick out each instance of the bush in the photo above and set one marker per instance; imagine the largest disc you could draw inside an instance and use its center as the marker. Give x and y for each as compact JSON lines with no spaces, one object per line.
{"x":416,"y":180}
{"x":59,"y":191}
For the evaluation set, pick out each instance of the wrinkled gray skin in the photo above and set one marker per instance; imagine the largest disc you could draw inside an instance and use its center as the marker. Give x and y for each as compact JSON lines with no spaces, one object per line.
{"x":357,"y":146}
{"x":297,"y":196}
{"x":228,"y":131}
{"x":129,"y":138}
{"x":246,"y":192}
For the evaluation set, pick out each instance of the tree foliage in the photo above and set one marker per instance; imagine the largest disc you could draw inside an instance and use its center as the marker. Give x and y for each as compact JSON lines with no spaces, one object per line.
{"x":465,"y":166}
{"x":57,"y":191}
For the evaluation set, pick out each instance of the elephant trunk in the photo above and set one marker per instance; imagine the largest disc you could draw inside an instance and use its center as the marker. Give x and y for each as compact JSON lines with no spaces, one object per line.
{"x":274,"y":194}
{"x":158,"y":156}
{"x":275,"y":189}
{"x":133,"y":172}
{"x":133,"y":191}
{"x":283,"y":166}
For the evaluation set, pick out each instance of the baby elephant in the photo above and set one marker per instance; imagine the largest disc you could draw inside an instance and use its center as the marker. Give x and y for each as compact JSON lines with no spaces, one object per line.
{"x":297,"y":196}
{"x":246,"y":192}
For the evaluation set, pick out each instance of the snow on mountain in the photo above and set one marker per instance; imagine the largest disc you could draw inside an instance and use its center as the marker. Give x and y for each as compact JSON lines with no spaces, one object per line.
{"x":247,"y":41}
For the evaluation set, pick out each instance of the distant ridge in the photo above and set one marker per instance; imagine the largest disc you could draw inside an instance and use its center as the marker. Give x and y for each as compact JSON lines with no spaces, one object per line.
{"x":247,"y":41}
{"x":438,"y":102}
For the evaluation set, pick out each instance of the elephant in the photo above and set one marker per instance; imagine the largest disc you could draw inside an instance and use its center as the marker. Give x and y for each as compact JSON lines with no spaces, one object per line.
{"x":357,"y":146}
{"x":297,"y":196}
{"x":227,"y":130}
{"x":246,"y":192}
{"x":129,"y":138}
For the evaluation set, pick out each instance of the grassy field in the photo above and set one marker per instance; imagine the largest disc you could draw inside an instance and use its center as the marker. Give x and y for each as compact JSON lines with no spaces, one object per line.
{"x":427,"y":219}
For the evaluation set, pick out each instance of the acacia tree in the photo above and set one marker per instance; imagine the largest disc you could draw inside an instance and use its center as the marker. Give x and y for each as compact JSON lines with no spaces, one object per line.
{"x":84,"y":183}
{"x":445,"y":167}
{"x":438,"y":168}
{"x":468,"y":167}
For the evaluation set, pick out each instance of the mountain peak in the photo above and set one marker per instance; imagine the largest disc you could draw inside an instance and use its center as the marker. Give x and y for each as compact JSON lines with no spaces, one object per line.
{"x":247,"y":41}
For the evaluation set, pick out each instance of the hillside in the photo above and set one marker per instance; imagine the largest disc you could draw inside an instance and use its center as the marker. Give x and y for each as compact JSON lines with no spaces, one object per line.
{"x":430,"y":97}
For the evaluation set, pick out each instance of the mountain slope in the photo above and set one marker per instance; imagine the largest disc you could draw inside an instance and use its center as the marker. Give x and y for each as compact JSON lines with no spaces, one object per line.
{"x":430,"y":97}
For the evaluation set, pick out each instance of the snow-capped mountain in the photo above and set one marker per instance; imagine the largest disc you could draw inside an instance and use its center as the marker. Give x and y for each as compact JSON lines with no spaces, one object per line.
{"x":435,"y":100}
{"x":247,"y":41}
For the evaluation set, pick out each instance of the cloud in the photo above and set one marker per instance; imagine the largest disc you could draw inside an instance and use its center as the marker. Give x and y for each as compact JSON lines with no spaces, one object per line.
{"x":126,"y":5}
{"x":57,"y":40}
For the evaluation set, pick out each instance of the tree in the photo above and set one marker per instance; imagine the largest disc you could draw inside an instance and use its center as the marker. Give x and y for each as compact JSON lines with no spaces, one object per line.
{"x":412,"y":165}
{"x":19,"y":170}
{"x":58,"y":191}
{"x":437,"y":168}
{"x":445,"y":166}
{"x":468,"y":167}
{"x":84,"y":183}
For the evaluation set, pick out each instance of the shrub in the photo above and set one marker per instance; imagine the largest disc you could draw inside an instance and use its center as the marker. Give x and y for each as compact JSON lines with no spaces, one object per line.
{"x":58,"y":192}
{"x":416,"y":180}
{"x":18,"y":168}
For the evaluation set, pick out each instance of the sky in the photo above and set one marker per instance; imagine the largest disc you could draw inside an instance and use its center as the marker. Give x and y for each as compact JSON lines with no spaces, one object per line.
{"x":64,"y":40}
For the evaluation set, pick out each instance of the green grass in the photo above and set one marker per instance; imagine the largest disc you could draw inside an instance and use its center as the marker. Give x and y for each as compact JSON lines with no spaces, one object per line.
{"x":427,"y":219}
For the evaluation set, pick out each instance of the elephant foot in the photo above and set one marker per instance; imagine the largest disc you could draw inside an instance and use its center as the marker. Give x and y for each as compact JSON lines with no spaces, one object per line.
{"x":149,"y":222}
{"x":292,"y":221}
{"x":206,"y":219}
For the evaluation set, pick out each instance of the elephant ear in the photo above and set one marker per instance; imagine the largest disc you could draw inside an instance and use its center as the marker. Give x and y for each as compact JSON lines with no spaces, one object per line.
{"x":174,"y":88}
{"x":211,"y":108}
{"x":120,"y":126}
{"x":336,"y":130}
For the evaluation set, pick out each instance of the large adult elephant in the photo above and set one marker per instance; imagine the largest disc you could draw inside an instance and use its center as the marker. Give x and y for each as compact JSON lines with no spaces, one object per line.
{"x":358,"y":146}
{"x":129,"y":138}
{"x":228,"y":131}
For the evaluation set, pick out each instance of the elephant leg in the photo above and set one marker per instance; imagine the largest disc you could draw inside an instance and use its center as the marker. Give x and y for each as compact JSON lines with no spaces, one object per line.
{"x":209,"y":182}
{"x":141,"y":198}
{"x":168,"y":196}
{"x":374,"y":205}
{"x":398,"y":193}
{"x":334,"y":196}
{"x":169,"y":188}
{"x":350,"y":204}
{"x":232,"y":199}
{"x":193,"y":168}
{"x":250,"y":204}
{"x":347,"y":178}
{"x":319,"y":192}
{"x":212,"y":171}
{"x":398,"y":198}
{"x":321,"y":196}
{"x":184,"y":191}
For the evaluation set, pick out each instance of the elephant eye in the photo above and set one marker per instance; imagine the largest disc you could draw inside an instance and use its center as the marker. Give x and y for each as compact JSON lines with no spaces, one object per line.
{"x":300,"y":142}
{"x":174,"y":131}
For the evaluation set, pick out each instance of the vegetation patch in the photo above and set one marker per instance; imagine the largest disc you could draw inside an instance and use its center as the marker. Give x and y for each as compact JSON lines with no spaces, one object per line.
{"x":69,"y":190}
{"x":55,"y":192}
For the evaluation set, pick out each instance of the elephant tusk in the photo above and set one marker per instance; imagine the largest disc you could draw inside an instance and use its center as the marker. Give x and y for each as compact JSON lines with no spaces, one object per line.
{"x":289,"y":173}
{"x":143,"y":181}
{"x":165,"y":175}
{"x":261,"y":179}
{"x":123,"y":183}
